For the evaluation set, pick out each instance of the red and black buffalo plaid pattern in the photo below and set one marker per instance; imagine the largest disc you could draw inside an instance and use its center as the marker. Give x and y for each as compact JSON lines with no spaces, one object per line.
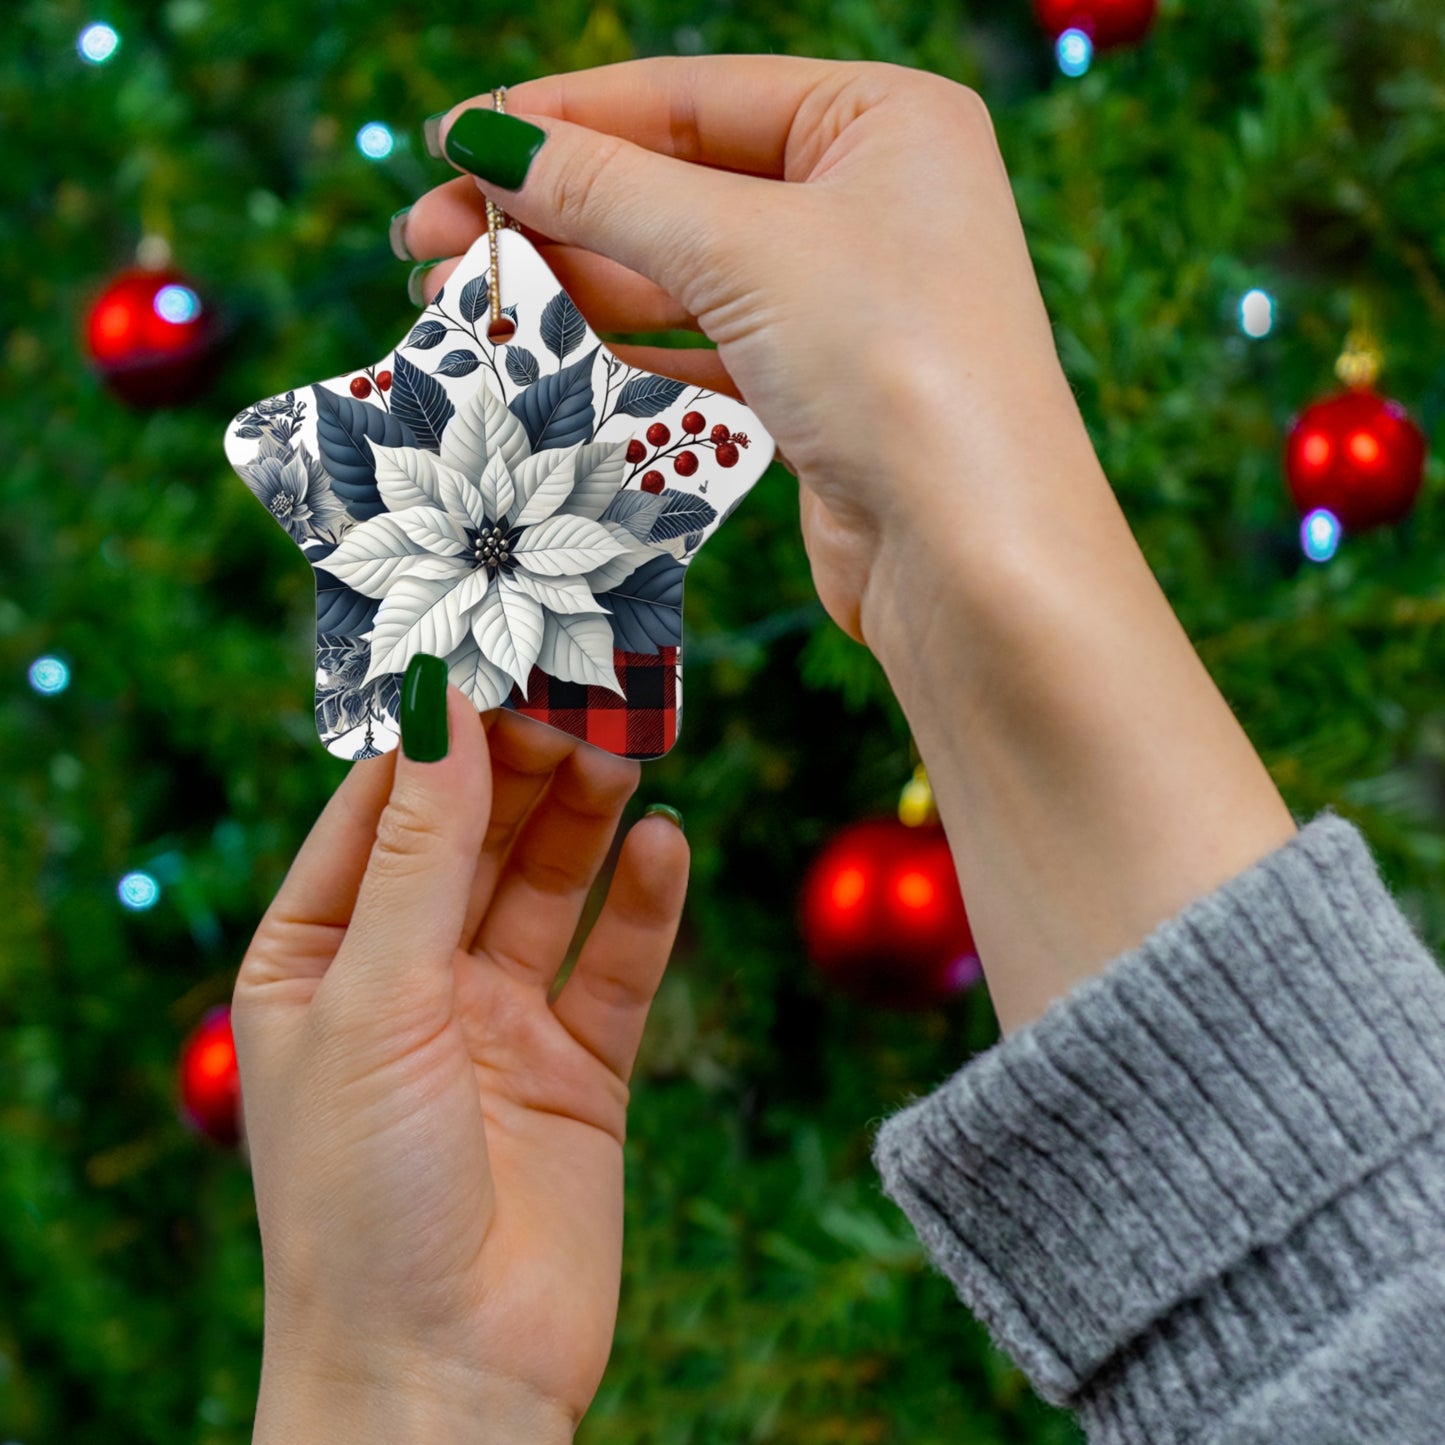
{"x":641,"y":725}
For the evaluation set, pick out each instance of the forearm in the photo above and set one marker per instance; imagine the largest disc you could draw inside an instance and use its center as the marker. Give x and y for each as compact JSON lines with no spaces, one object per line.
{"x":1091,"y":778}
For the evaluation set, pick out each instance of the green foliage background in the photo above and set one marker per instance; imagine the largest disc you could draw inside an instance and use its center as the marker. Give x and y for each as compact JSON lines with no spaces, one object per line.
{"x":771,"y":1292}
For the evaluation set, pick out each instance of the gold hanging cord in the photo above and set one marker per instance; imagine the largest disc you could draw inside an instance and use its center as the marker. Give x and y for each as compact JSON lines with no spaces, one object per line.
{"x":500,"y":328}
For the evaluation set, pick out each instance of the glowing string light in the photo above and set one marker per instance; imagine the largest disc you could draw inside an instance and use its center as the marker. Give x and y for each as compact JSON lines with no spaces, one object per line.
{"x":177,"y":304}
{"x":1320,"y":535}
{"x":1075,"y":53}
{"x":97,"y":43}
{"x":138,"y":891}
{"x":1256,"y":313}
{"x":49,"y":675}
{"x":375,"y":140}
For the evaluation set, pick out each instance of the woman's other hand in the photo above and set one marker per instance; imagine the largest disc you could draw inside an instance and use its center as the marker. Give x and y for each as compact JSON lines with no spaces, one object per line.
{"x":437,"y":1147}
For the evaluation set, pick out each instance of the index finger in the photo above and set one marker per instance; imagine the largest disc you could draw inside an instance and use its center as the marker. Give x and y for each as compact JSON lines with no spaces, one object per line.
{"x":734,"y":112}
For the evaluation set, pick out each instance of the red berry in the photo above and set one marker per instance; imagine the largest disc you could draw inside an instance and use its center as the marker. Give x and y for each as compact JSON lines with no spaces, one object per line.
{"x":720,"y":433}
{"x":693,"y":423}
{"x":685,"y":463}
{"x":727,"y":454}
{"x":635,"y":451}
{"x":383,"y":380}
{"x":651,"y":481}
{"x":658,"y":434}
{"x":360,"y":388}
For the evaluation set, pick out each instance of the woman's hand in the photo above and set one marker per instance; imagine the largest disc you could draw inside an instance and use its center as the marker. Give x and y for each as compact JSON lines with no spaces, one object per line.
{"x":880,"y":312}
{"x":437,"y":1148}
{"x":847,"y":234}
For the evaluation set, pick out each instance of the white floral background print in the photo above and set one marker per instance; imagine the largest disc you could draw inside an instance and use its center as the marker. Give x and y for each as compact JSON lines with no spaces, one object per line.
{"x":484,"y":507}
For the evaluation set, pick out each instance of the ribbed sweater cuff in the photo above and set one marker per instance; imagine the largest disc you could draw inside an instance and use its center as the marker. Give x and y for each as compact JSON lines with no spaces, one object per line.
{"x":1178,"y":1157}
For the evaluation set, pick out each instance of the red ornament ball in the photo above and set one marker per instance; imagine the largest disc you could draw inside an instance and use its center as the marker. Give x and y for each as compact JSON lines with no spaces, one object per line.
{"x":685,"y":463}
{"x":635,"y":451}
{"x":209,"y":1081}
{"x":883,"y":919}
{"x":360,"y":387}
{"x":1107,"y":23}
{"x":693,"y":423}
{"x":383,"y":380}
{"x":658,"y":434}
{"x":727,"y":454}
{"x":651,"y":482}
{"x":152,"y":338}
{"x":1358,"y":455}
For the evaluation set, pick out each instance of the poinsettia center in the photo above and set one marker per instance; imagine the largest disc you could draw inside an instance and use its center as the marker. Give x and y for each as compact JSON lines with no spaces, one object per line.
{"x":492,"y":546}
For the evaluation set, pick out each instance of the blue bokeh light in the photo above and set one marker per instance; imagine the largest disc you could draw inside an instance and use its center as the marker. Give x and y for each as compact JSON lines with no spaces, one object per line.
{"x":1075,"y":52}
{"x":1256,"y":313}
{"x":1320,"y":534}
{"x":49,"y":675}
{"x":97,"y":43}
{"x":177,"y":304}
{"x":138,"y":891}
{"x":375,"y":140}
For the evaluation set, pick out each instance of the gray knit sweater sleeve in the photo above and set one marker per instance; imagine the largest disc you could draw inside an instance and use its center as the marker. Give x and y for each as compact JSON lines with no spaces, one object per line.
{"x":1201,"y":1200}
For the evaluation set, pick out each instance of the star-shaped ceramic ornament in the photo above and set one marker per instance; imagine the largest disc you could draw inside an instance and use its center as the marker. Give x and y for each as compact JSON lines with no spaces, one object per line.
{"x":525,"y":510}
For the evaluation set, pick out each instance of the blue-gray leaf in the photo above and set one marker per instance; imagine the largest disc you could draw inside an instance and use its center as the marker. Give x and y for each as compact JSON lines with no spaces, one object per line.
{"x":426,"y":334}
{"x":341,"y":610}
{"x":522,"y":366}
{"x":681,"y":513}
{"x":419,"y":401}
{"x":636,"y":511}
{"x":345,"y":429}
{"x":646,"y":395}
{"x":458,"y":363}
{"x":563,"y":328}
{"x":557,"y":411}
{"x":646,"y":609}
{"x":474,"y":300}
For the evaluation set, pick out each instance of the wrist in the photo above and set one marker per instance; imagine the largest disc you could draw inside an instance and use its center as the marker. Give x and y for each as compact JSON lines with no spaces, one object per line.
{"x":400,"y":1400}
{"x":1002,"y":496}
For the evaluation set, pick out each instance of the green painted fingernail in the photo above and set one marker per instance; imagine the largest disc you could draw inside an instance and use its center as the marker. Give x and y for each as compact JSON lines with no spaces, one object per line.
{"x":424,"y":709}
{"x":396,"y":234}
{"x":431,"y":133}
{"x":414,"y":292}
{"x":671,"y":814}
{"x":497,"y":147}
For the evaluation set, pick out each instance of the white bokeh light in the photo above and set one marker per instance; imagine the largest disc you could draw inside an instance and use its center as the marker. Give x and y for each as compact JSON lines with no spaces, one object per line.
{"x":1320,"y":535}
{"x":375,"y":140}
{"x":138,"y":891}
{"x":49,"y":675}
{"x":177,"y":304}
{"x":1256,"y":313}
{"x":97,"y":43}
{"x":1075,"y":52}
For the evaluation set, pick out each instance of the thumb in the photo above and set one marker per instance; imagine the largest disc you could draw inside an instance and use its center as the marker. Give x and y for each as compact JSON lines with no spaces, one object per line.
{"x":412,"y":901}
{"x":669,"y":220}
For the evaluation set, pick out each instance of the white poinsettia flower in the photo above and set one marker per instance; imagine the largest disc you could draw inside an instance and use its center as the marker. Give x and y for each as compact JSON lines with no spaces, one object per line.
{"x":491,"y":556}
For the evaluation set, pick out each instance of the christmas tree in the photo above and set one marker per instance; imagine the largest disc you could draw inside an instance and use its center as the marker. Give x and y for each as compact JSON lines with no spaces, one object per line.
{"x":1212,"y":212}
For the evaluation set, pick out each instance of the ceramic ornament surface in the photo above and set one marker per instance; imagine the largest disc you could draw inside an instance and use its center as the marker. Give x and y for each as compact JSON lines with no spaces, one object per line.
{"x":503,"y":507}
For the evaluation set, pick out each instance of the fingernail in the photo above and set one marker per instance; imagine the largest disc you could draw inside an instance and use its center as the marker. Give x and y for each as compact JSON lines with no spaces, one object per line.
{"x":431,"y":133}
{"x":424,"y":709}
{"x":396,"y":234}
{"x":497,"y":147}
{"x":414,"y":292}
{"x":671,"y":814}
